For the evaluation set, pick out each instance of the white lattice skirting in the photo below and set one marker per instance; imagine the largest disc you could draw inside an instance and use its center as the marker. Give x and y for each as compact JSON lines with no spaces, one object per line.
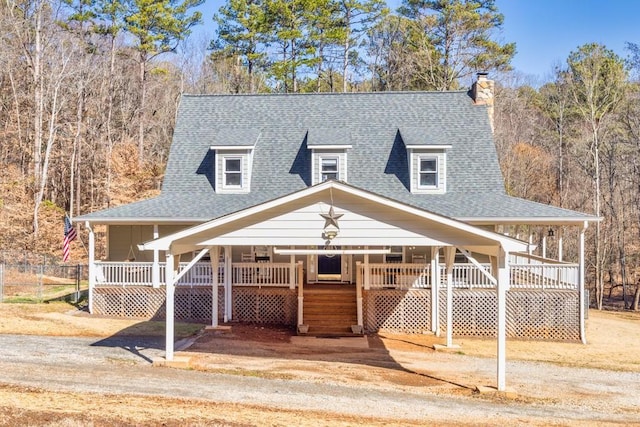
{"x":277,"y":306}
{"x":532,"y":314}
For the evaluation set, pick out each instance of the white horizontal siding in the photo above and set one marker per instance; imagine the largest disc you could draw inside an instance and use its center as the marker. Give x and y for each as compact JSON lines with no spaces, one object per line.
{"x":374,"y":227}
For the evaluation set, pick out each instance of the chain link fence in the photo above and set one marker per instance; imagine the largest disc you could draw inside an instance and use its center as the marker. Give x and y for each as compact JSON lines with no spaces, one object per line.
{"x":27,"y":282}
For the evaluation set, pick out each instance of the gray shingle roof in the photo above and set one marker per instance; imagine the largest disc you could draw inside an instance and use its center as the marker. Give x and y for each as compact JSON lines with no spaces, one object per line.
{"x":372,"y":123}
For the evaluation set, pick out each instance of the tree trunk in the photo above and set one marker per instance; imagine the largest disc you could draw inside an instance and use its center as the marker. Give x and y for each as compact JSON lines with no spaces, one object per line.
{"x":38,"y":112}
{"x":142,"y":107}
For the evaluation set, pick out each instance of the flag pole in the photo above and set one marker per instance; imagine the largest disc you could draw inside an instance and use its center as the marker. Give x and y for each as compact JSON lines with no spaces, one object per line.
{"x":77,"y":234}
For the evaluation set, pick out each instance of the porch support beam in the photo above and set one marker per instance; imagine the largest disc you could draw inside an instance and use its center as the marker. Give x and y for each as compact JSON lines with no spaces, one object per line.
{"x":173,"y":263}
{"x":292,"y":271}
{"x":359,"y":314}
{"x":191,"y":264}
{"x":279,"y":251}
{"x":581,"y":298}
{"x":228,"y":315}
{"x":479,"y":266}
{"x":367,"y":272}
{"x":92,"y":264}
{"x":449,"y":257}
{"x":155,"y":267}
{"x":300,"y":295}
{"x":503,"y":286}
{"x":214,"y":252}
{"x":435,"y":290}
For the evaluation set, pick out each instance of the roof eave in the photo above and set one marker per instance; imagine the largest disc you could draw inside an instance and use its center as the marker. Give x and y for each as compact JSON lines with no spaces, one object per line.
{"x":530,"y":220}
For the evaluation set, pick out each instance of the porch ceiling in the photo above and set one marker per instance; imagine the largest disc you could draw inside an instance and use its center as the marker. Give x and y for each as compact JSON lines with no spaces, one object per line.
{"x":367,"y":220}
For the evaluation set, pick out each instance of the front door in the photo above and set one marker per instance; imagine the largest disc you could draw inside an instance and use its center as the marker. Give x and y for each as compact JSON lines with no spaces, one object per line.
{"x":329,"y":267}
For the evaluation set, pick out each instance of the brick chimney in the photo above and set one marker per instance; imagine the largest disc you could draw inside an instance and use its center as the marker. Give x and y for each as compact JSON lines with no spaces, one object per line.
{"x":482,"y":94}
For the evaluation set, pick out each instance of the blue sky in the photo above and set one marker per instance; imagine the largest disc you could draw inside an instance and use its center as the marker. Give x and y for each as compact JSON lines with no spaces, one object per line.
{"x":546,"y":31}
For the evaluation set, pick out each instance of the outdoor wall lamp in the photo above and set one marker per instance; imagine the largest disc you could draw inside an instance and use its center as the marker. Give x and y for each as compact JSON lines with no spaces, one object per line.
{"x":550,"y":233}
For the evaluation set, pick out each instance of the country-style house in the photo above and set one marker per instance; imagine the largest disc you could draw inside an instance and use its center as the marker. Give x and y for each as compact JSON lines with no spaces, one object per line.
{"x":340,"y":213}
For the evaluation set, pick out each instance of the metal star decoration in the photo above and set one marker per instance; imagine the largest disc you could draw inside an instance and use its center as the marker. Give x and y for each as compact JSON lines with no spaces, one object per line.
{"x":331,"y":218}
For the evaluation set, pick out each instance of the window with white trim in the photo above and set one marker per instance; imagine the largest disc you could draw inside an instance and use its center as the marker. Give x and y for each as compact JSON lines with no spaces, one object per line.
{"x":427,"y":172}
{"x":232,"y":172}
{"x":329,"y":168}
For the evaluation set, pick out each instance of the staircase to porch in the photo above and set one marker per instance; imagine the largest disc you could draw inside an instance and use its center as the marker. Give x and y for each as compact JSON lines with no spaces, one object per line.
{"x":330,"y":310}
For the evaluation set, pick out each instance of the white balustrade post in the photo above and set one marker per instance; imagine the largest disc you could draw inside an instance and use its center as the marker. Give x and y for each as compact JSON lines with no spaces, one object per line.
{"x":169,"y":304}
{"x":581,"y":297}
{"x":214,"y":253}
{"x":435,"y":289}
{"x":367,"y":271}
{"x":449,"y":257}
{"x":300,"y":295}
{"x":292,"y":271}
{"x":503,"y":286}
{"x":360,"y":317}
{"x":228,"y":288}
{"x":92,"y":264}
{"x":155,"y":267}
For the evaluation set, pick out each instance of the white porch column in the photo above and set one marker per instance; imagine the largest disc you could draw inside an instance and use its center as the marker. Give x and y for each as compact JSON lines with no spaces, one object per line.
{"x":435,"y":290}
{"x":449,"y":257}
{"x":155,"y":267}
{"x":581,"y":298}
{"x":530,"y":248}
{"x":173,"y":263}
{"x":359,"y":313}
{"x":228,"y":315}
{"x":503,"y":286}
{"x":544,"y":246}
{"x":92,"y":264}
{"x":214,"y":253}
{"x":560,"y":244}
{"x":367,"y":272}
{"x":300,"y":295}
{"x":292,"y":270}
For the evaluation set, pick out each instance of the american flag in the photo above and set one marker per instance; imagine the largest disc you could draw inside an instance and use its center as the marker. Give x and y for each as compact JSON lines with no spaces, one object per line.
{"x":69,"y":235}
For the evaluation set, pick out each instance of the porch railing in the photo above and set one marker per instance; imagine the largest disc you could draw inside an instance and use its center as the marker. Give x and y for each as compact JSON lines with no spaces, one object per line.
{"x":530,"y":271}
{"x":261,"y":274}
{"x":243,"y":274}
{"x":467,"y":276}
{"x":398,"y":276}
{"x":525,"y":273}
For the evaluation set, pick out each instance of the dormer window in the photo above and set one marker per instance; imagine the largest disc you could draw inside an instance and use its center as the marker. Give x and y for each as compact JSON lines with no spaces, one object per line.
{"x":232,"y":172}
{"x":428,"y":172}
{"x":329,"y":168}
{"x":329,"y":149}
{"x":427,"y":160}
{"x":234,"y":159}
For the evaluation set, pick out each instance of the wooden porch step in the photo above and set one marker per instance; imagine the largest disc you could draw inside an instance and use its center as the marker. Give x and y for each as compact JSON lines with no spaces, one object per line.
{"x":330,"y":310}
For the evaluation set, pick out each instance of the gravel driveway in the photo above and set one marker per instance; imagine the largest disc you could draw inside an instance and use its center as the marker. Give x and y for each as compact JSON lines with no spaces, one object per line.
{"x":122,"y":365}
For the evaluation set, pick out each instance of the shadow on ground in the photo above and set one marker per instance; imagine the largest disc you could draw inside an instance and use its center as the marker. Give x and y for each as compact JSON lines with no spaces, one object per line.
{"x":249,"y":344}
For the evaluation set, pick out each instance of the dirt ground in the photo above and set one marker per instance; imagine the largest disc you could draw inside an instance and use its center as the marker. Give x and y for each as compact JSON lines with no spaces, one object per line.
{"x":379,"y":362}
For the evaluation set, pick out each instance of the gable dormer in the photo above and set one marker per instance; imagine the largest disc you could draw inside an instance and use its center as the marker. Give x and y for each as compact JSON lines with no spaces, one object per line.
{"x":329,"y":149}
{"x":427,"y":161}
{"x":233,"y":150}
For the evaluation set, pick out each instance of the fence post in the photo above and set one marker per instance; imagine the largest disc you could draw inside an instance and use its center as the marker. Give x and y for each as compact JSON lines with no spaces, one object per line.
{"x":77,"y":283}
{"x":40,"y":283}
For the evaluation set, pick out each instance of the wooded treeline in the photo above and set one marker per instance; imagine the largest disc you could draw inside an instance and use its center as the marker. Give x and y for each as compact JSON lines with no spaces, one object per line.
{"x":89,"y":91}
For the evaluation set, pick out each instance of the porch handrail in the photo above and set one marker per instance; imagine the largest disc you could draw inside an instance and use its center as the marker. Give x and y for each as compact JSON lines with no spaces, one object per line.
{"x":261,"y":274}
{"x":399,"y":275}
{"x":122,"y":273}
{"x":466,"y":276}
{"x":544,"y":276}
